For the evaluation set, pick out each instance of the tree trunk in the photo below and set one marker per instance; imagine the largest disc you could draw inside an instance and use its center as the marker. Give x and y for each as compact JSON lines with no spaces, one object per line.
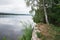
{"x":45,"y":12}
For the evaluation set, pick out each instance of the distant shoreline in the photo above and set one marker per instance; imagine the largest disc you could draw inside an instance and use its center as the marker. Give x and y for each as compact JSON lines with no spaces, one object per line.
{"x":14,"y":14}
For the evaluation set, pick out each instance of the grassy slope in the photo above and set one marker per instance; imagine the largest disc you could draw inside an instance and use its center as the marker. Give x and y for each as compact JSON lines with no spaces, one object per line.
{"x":50,"y":32}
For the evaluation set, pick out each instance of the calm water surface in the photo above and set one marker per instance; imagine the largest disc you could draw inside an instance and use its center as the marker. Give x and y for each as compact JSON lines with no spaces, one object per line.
{"x":11,"y":25}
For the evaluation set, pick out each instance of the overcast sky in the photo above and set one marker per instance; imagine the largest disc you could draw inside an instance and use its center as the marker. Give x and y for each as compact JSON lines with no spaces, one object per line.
{"x":13,"y":6}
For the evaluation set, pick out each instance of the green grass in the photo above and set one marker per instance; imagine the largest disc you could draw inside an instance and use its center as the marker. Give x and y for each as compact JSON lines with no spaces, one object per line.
{"x":57,"y":37}
{"x":57,"y":32}
{"x":27,"y":33}
{"x":4,"y":38}
{"x":54,"y":33}
{"x":39,"y":35}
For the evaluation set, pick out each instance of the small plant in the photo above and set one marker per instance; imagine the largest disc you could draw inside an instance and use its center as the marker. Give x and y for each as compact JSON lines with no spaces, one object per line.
{"x":39,"y":35}
{"x":27,"y":33}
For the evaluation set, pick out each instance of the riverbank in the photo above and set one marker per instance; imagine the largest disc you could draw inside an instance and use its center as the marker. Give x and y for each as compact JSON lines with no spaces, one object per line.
{"x":46,"y":32}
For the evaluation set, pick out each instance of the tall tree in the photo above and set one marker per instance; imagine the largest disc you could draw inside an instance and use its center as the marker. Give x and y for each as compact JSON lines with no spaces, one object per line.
{"x":40,"y":4}
{"x":45,"y":12}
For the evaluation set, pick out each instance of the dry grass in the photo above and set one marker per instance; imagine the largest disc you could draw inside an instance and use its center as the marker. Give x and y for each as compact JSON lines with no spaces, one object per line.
{"x":47,"y":31}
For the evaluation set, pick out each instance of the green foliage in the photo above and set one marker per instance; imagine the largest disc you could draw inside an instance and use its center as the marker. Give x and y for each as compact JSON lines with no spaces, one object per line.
{"x":56,"y":1}
{"x":39,"y":16}
{"x":54,"y":14}
{"x":27,"y":33}
{"x":4,"y":38}
{"x":53,"y":11}
{"x":57,"y":32}
{"x":39,"y":35}
{"x":57,"y":37}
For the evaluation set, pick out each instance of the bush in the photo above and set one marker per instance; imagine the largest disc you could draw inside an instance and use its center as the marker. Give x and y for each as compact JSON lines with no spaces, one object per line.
{"x":39,"y":16}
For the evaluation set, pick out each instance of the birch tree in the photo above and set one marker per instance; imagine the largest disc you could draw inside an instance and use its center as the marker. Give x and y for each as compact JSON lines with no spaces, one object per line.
{"x":40,"y":4}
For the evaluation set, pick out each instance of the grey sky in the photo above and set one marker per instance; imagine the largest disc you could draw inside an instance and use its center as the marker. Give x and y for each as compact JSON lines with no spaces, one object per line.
{"x":13,"y":6}
{"x":5,"y":2}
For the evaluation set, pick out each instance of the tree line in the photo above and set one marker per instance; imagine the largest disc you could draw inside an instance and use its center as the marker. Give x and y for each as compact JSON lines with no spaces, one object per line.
{"x":46,"y":11}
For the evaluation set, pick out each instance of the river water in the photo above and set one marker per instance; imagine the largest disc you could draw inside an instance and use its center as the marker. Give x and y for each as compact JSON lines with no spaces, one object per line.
{"x":11,"y":26}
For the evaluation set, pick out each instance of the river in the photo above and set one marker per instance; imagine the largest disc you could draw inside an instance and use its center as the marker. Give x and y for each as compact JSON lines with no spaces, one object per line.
{"x":11,"y":26}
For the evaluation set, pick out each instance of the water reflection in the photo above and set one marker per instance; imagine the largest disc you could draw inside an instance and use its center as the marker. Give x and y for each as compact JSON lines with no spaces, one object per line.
{"x":11,"y":26}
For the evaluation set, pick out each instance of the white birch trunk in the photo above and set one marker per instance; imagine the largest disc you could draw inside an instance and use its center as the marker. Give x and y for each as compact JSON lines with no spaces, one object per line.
{"x":45,"y":12}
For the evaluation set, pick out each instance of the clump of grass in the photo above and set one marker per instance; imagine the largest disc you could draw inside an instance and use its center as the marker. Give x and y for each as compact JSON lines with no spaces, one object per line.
{"x":4,"y":38}
{"x":27,"y":33}
{"x":39,"y":35}
{"x":57,"y":31}
{"x":57,"y":37}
